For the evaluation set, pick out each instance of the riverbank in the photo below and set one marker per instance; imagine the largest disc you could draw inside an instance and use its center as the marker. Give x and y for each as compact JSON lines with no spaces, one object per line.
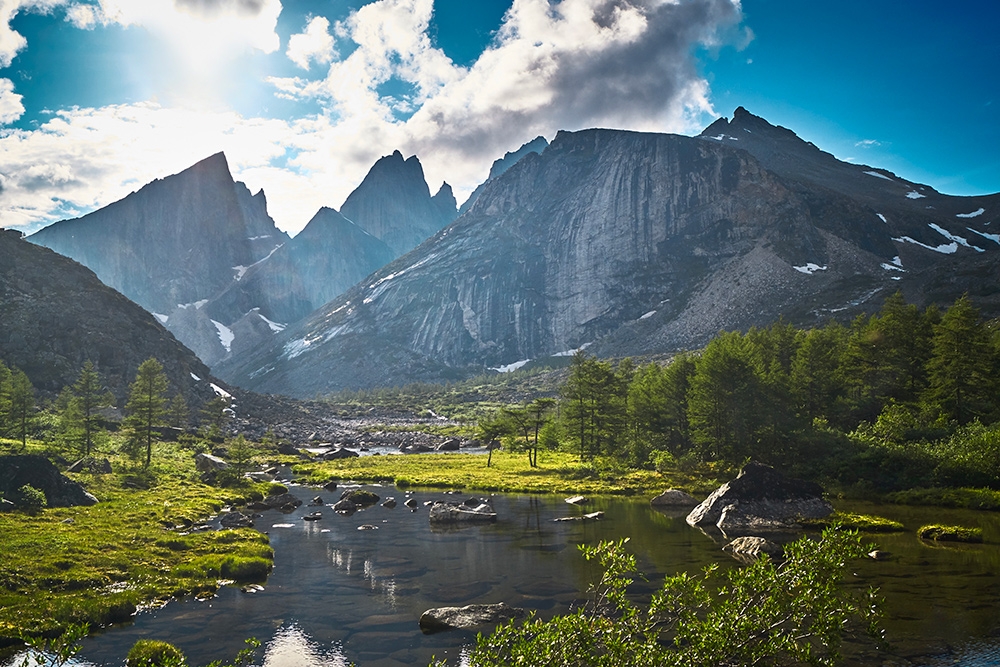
{"x":138,"y":547}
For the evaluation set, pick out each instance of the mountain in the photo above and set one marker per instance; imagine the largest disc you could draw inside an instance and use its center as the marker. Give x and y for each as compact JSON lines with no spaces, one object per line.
{"x":500,"y":165}
{"x":394,"y":204}
{"x":56,"y":314}
{"x":630,"y":243}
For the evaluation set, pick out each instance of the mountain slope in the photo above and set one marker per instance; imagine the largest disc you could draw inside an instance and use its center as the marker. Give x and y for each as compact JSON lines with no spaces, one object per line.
{"x":629,"y":243}
{"x":55,"y":314}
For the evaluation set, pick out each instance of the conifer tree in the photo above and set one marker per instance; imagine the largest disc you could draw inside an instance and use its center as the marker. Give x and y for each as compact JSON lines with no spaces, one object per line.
{"x":20,"y":401}
{"x":81,"y":414}
{"x":146,"y":407}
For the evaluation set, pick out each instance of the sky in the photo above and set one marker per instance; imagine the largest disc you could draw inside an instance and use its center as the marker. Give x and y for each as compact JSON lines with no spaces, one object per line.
{"x":99,"y":97}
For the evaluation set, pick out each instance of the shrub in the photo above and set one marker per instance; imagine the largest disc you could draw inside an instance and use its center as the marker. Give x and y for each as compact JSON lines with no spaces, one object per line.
{"x":153,"y":653}
{"x":29,"y":499}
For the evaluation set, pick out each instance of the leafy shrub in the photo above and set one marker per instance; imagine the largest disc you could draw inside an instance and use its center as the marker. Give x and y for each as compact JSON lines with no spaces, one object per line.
{"x":29,"y":499}
{"x":153,"y":653}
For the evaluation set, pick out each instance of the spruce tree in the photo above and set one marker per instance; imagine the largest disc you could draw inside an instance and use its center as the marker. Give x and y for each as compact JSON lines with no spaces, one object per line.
{"x":146,"y":407}
{"x":86,"y":398}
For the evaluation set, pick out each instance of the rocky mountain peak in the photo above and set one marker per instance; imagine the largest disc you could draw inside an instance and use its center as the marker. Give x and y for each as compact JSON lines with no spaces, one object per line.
{"x":501,"y":165}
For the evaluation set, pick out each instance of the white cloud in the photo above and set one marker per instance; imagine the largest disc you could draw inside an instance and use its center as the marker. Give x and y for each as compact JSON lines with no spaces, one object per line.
{"x":10,"y":102}
{"x":11,"y":41}
{"x":868,"y":143}
{"x":567,"y":64}
{"x":313,"y":45}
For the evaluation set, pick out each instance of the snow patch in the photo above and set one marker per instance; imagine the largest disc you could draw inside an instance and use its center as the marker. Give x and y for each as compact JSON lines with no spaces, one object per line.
{"x":161,"y":317}
{"x":878,"y":175}
{"x":219,"y":390}
{"x":196,"y":305}
{"x":946,"y":249}
{"x":952,"y":237}
{"x":991,"y":237}
{"x":510,"y":368}
{"x":297,"y":347}
{"x":897,"y":261}
{"x":226,"y":335}
{"x":648,"y":315}
{"x":974,"y":214}
{"x":882,"y":218}
{"x":570,"y":353}
{"x":275,"y":326}
{"x":195,"y":377}
{"x":809,"y":268}
{"x":913,"y":194}
{"x":240,"y":271}
{"x":257,"y":238}
{"x":892,"y":267}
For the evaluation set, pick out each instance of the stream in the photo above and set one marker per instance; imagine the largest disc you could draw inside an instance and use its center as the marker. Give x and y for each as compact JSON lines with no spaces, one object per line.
{"x":339,"y":595}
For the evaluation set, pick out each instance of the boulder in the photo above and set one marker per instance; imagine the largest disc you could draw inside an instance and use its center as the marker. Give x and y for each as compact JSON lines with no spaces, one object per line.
{"x":281,"y":500}
{"x":449,"y":445}
{"x":577,"y":500}
{"x":38,"y":472}
{"x":760,"y":498}
{"x":314,"y":516}
{"x":361,"y":497}
{"x":750,"y":548}
{"x":411,"y":503}
{"x":674,"y":498}
{"x":331,"y":485}
{"x":471,"y":616}
{"x":345,"y":506}
{"x":389,"y":503}
{"x":92,"y":465}
{"x":288,"y":450}
{"x":236,"y":520}
{"x":339,"y":453}
{"x":474,"y":510}
{"x":209,"y":463}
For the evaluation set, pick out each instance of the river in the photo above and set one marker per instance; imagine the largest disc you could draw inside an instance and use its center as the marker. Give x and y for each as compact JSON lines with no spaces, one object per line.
{"x":340,"y":595}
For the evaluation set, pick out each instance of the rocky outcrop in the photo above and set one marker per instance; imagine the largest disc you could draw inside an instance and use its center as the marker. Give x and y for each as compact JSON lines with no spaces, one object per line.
{"x":473,"y":510}
{"x":760,"y":498}
{"x":471,"y":616}
{"x":394,"y":204}
{"x":510,"y":158}
{"x":55,"y":315}
{"x":674,"y":498}
{"x":208,"y":463}
{"x":38,"y":472}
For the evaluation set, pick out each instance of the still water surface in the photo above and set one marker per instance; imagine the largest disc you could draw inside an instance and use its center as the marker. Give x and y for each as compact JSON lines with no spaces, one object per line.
{"x":340,"y":595}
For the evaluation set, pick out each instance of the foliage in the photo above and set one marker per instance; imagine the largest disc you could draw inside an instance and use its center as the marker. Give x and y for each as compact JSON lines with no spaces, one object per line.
{"x":940,"y":533}
{"x":56,"y":651}
{"x":973,"y":499}
{"x":146,"y":407}
{"x":29,"y":499}
{"x":17,"y":403}
{"x":864,"y":523}
{"x":241,"y":455}
{"x":81,"y":420}
{"x":154,"y":653}
{"x":796,"y":611}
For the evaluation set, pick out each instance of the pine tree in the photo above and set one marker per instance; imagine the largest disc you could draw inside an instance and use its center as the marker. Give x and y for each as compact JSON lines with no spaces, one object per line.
{"x":20,"y":401}
{"x":146,"y":407}
{"x":81,"y":413}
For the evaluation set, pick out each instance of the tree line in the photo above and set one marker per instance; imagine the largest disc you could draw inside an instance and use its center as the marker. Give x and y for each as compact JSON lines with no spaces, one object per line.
{"x":901,"y":386}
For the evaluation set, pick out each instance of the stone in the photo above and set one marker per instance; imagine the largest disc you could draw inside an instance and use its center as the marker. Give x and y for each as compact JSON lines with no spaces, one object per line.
{"x":389,"y":503}
{"x":878,"y":554}
{"x":236,"y":520}
{"x":480,"y":510}
{"x":449,"y":445}
{"x":412,"y":503}
{"x":470,"y":616}
{"x":209,"y":463}
{"x":281,"y":500}
{"x":330,"y":486}
{"x":367,"y":526}
{"x":314,"y":516}
{"x":577,"y":500}
{"x":345,"y":506}
{"x":760,"y":498}
{"x":593,"y":516}
{"x":340,"y":453}
{"x":91,"y":465}
{"x":361,"y":497}
{"x":318,"y":500}
{"x":288,"y":450}
{"x":38,"y":472}
{"x":674,"y":498}
{"x":750,"y":548}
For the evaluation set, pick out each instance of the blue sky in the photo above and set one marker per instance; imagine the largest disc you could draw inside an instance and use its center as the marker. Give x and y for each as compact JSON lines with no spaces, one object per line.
{"x":98,"y":97}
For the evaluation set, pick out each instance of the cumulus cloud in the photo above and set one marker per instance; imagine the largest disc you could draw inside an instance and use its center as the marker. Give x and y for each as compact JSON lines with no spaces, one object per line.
{"x":10,"y":102}
{"x":11,"y":41}
{"x":868,"y":143}
{"x":313,"y":45}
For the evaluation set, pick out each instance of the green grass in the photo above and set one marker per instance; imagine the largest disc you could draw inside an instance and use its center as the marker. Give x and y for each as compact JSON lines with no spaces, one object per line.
{"x":99,"y":564}
{"x":865,"y":523}
{"x":973,"y":499}
{"x":557,"y":472}
{"x":941,"y":533}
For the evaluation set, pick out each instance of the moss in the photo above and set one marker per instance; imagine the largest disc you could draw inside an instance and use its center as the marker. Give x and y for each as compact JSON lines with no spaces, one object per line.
{"x":865,"y":523}
{"x":973,"y":499}
{"x":276,"y":489}
{"x":940,"y":533}
{"x":153,"y":653}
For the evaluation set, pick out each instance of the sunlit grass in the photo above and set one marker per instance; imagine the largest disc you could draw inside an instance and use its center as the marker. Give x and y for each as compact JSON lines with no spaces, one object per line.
{"x":99,"y":564}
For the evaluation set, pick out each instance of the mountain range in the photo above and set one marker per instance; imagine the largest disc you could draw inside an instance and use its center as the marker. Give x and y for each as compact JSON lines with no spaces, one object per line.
{"x":623,"y":243}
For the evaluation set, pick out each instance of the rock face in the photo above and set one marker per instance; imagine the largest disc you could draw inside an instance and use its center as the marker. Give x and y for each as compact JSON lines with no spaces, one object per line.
{"x":471,"y":616}
{"x":536,"y":145}
{"x":393,"y":204}
{"x":37,"y":471}
{"x":758,"y":499}
{"x":636,"y":243}
{"x":55,"y":315}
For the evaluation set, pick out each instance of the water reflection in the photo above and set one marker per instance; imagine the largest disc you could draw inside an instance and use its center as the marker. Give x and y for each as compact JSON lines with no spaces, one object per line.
{"x":338,"y":594}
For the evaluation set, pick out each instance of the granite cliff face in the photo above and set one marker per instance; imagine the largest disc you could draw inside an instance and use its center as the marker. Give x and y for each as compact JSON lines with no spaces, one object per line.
{"x":55,"y":314}
{"x":394,"y":204}
{"x":631,"y":243}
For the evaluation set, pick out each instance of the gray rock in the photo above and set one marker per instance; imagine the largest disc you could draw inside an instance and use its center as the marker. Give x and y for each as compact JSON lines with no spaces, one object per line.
{"x":209,"y":463}
{"x":340,"y":453}
{"x":389,"y":503}
{"x":281,"y":500}
{"x":345,"y":506}
{"x":577,"y":500}
{"x":674,"y":498}
{"x":449,"y":445}
{"x":480,"y":510}
{"x":761,"y":497}
{"x":750,"y":548}
{"x":593,"y":516}
{"x":236,"y":520}
{"x":92,"y":465}
{"x":38,"y":472}
{"x":412,"y":503}
{"x":470,"y":616}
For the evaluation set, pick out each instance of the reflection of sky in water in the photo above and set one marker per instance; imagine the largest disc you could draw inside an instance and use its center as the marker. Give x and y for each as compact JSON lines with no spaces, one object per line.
{"x":291,"y":647}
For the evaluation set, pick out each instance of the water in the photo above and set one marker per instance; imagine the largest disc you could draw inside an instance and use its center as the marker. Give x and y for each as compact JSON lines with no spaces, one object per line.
{"x":340,"y":595}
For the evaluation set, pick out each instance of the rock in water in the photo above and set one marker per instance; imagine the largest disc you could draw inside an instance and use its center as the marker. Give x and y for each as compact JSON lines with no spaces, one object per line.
{"x":479,"y":510}
{"x":471,"y":616}
{"x":748,"y":549}
{"x":38,"y":472}
{"x":674,"y":498}
{"x":760,"y":498}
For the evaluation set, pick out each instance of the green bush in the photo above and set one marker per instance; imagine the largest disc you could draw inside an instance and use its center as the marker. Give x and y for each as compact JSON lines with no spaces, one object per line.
{"x":29,"y":499}
{"x":153,"y":653}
